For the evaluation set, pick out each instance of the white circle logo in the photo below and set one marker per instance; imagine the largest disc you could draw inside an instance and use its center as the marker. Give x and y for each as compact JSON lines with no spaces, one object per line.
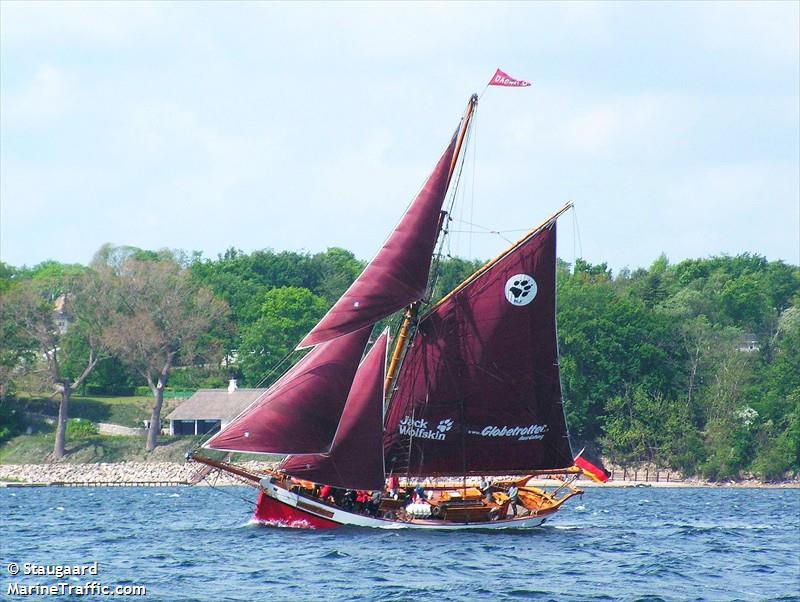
{"x":520,"y":289}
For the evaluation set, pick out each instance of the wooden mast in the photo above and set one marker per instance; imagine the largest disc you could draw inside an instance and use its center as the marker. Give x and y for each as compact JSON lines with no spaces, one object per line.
{"x":413,"y":309}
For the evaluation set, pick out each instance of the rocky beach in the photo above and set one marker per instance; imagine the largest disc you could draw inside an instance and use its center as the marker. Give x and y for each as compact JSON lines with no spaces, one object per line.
{"x":184,"y":473}
{"x":118,"y":473}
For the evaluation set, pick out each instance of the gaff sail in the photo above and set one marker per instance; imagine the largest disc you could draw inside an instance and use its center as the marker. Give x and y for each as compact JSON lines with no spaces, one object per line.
{"x":355,"y":460}
{"x":398,"y":274}
{"x":479,"y":390}
{"x":299,"y":413}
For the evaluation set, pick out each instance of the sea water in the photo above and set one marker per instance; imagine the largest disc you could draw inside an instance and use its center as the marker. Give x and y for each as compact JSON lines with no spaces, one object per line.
{"x":611,"y":544}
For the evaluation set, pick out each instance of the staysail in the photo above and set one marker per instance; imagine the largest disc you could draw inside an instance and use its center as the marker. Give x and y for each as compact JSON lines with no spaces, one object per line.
{"x":398,"y":274}
{"x":299,"y":413}
{"x":479,"y":391}
{"x":355,"y":460}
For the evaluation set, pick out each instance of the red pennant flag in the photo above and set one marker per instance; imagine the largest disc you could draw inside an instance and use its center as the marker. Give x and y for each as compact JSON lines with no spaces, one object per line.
{"x":501,"y":78}
{"x":598,"y":475}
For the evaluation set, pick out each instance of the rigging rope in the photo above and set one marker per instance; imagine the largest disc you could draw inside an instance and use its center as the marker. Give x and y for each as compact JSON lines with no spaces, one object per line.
{"x":576,"y":236}
{"x":275,"y":368}
{"x":434,"y":273}
{"x":488,"y":230}
{"x":472,"y":195}
{"x":214,"y":486}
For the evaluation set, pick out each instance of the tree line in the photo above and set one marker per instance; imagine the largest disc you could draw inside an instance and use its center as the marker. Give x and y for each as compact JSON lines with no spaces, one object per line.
{"x":693,"y":366}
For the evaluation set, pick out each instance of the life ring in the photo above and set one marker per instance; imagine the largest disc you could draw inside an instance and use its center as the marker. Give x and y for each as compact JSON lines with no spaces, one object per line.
{"x":436,"y":512}
{"x":494,"y":513}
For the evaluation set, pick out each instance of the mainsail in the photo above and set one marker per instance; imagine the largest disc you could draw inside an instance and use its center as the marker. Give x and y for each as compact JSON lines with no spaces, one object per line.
{"x":355,"y":460}
{"x":398,"y":274}
{"x":299,"y":413}
{"x":479,"y":390}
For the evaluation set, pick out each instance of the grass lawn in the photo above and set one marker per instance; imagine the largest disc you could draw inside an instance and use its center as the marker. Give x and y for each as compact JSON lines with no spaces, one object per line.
{"x":125,"y":411}
{"x":34,"y":449}
{"x":238,"y":458}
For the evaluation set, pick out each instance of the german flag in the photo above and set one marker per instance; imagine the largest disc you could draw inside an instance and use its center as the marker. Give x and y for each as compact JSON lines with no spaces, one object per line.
{"x":598,"y":475}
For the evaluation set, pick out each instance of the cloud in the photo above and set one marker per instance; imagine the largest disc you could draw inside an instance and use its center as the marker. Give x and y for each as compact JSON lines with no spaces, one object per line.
{"x":42,"y":100}
{"x":202,"y":125}
{"x":732,"y":208}
{"x":76,"y":23}
{"x":758,"y":27}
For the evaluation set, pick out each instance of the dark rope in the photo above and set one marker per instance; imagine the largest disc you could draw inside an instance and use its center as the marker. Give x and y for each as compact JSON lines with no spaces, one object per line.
{"x":220,"y":489}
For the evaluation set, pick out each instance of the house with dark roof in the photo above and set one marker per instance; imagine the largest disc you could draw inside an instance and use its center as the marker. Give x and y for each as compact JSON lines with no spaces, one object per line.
{"x":209,"y":410}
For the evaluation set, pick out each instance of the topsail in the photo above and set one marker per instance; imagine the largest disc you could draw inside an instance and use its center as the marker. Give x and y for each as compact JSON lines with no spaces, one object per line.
{"x":398,"y":274}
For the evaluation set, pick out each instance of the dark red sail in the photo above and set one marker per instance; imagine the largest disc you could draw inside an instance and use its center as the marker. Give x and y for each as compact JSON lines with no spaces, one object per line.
{"x":356,"y":457}
{"x":300,"y":412}
{"x":479,"y":391}
{"x":398,"y":274}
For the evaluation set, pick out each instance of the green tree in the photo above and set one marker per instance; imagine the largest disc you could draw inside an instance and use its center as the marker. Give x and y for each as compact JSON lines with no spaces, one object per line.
{"x":451,"y":272}
{"x":17,"y":345}
{"x":648,"y":427}
{"x":775,"y":395}
{"x":730,"y":422}
{"x":287,"y":314}
{"x":337,"y":269}
{"x":7,"y":275}
{"x":54,"y":311}
{"x":162,"y":319}
{"x":608,"y":344}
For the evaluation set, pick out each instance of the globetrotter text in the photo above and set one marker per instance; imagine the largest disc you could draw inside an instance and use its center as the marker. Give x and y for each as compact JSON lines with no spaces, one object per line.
{"x":523,"y":433}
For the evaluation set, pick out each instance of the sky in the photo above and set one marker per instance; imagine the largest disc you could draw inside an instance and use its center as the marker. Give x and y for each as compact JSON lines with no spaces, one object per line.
{"x":673,"y":127}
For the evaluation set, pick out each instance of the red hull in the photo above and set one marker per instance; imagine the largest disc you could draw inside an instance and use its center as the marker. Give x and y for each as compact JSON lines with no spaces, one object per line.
{"x":273,"y":512}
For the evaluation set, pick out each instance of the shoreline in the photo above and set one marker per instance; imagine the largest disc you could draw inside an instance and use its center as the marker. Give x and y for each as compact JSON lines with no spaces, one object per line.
{"x":167,"y":474}
{"x":116,"y":474}
{"x":690,"y":484}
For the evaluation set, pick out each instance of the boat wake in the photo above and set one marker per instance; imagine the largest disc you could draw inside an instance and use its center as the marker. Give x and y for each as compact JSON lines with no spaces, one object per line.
{"x":281,"y":524}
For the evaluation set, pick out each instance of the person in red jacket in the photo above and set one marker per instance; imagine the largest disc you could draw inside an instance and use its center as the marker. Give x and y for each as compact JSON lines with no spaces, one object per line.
{"x":325,"y":493}
{"x":362,"y":497}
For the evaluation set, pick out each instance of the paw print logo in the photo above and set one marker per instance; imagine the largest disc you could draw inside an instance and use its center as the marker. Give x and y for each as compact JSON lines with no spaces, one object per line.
{"x":445,"y":425}
{"x":520,"y":289}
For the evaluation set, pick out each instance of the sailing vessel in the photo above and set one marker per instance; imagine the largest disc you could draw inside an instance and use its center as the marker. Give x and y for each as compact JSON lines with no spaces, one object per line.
{"x":468,"y":389}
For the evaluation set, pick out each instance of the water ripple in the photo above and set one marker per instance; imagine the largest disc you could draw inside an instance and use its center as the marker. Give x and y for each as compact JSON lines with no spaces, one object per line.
{"x":617,"y":544}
